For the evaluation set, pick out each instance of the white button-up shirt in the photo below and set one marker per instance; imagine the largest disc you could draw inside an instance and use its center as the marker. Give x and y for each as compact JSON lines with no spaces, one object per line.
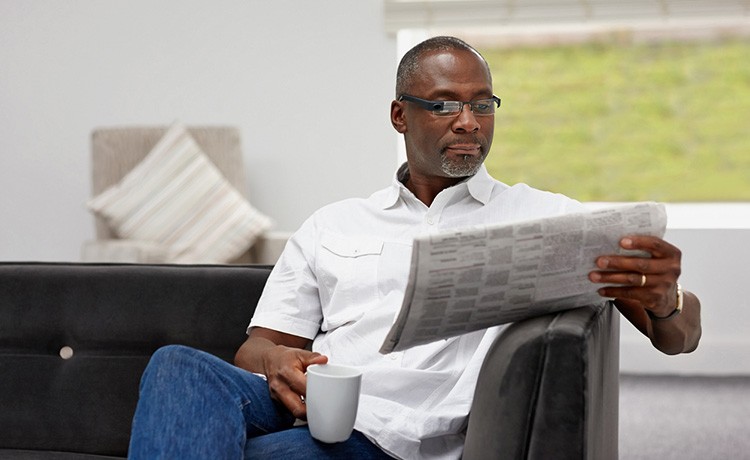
{"x":341,"y":280}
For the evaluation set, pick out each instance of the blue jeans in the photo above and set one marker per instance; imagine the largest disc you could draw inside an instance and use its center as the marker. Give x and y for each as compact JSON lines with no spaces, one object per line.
{"x":194,"y":405}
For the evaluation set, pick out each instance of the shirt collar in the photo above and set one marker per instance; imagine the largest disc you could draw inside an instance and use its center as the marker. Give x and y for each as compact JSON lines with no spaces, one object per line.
{"x":479,"y":185}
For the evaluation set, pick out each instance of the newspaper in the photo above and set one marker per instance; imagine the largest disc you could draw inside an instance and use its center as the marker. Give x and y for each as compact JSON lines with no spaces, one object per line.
{"x":470,"y":279}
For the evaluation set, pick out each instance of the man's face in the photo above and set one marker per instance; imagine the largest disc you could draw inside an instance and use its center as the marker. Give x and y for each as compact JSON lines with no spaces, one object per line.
{"x":446,"y":146}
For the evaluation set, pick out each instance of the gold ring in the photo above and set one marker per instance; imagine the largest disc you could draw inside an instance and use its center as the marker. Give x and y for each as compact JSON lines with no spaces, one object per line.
{"x":643,"y":280}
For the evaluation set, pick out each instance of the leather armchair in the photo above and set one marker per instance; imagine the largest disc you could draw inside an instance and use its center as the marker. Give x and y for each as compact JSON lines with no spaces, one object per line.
{"x":75,"y":338}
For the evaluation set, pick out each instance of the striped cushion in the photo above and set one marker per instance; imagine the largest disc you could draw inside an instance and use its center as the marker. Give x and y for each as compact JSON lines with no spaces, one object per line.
{"x":177,"y":197}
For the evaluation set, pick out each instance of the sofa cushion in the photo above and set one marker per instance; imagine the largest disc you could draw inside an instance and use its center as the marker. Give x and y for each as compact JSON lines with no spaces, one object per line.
{"x":75,"y":338}
{"x":178,"y":198}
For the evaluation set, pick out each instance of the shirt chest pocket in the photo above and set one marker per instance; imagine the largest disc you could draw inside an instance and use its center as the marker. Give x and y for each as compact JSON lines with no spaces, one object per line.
{"x":348,"y":269}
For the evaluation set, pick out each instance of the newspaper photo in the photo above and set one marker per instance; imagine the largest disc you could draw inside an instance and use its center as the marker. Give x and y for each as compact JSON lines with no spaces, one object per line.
{"x":470,"y":279}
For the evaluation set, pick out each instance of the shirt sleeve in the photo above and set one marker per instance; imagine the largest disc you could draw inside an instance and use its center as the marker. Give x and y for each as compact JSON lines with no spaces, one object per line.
{"x":290,"y":301}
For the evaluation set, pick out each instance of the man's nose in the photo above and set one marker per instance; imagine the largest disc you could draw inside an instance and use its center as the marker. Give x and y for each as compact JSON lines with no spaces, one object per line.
{"x":466,"y":121}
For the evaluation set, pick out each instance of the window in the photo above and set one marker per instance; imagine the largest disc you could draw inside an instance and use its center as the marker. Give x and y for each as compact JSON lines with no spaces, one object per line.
{"x":631,"y":115}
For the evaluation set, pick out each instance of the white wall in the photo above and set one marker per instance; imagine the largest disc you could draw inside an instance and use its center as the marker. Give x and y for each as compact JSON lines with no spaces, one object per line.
{"x":308,"y":82}
{"x":714,"y":266}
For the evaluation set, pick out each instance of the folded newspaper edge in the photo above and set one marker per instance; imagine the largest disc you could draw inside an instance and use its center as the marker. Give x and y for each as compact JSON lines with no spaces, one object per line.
{"x":470,"y":279}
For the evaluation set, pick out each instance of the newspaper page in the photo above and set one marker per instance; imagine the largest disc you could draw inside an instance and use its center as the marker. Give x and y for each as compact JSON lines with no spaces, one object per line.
{"x":465,"y":280}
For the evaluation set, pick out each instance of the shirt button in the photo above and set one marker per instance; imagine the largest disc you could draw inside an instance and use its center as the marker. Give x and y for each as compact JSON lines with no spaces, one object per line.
{"x":430,"y":221}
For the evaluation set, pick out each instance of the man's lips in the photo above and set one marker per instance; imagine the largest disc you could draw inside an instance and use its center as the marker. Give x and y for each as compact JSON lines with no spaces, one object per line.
{"x":464,"y":149}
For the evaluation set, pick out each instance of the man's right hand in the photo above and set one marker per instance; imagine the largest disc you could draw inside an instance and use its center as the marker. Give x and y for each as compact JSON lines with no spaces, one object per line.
{"x":285,"y":371}
{"x":283,"y":359}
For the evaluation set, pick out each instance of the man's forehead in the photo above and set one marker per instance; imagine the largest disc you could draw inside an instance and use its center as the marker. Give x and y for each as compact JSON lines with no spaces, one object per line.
{"x":454,"y":67}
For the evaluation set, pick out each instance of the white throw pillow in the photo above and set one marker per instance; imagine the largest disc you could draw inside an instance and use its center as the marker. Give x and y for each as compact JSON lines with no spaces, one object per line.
{"x":177,"y":197}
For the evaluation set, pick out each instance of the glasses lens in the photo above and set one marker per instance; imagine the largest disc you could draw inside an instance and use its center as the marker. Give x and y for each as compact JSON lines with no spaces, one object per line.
{"x":483,"y":107}
{"x":446,"y":108}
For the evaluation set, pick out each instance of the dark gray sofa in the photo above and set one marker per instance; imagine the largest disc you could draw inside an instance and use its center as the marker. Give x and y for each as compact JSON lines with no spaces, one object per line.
{"x":548,"y":389}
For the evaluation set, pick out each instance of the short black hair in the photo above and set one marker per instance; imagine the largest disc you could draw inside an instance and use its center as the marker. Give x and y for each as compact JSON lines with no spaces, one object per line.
{"x":409,"y":65}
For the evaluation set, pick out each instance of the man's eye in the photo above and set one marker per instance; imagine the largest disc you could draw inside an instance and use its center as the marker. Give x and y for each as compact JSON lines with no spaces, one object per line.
{"x":482,"y":106}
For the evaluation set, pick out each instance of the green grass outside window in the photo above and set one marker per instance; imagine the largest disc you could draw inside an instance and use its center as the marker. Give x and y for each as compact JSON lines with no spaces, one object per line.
{"x":623,"y":122}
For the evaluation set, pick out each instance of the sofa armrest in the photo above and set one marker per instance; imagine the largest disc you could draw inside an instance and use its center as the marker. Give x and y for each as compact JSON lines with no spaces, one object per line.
{"x":548,"y":388}
{"x":264,"y":251}
{"x":268,"y":247}
{"x":124,"y":251}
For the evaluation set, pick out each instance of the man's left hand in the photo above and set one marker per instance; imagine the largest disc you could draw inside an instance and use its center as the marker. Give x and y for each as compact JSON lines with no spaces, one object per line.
{"x":650,"y":282}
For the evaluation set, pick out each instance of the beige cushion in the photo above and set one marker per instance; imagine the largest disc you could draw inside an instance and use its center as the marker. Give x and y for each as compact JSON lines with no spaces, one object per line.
{"x":177,"y":197}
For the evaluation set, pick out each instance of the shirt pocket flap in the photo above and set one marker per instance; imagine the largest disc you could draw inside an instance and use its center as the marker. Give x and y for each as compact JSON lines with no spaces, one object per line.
{"x":351,"y":247}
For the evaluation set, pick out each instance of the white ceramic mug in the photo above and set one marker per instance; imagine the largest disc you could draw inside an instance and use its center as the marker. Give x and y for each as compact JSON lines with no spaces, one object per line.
{"x":332,"y":399}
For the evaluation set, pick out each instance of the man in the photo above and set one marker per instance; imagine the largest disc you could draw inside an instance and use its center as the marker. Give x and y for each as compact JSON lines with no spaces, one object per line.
{"x":341,"y":280}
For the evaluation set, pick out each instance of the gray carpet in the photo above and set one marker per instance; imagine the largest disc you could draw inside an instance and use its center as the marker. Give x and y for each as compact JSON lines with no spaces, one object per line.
{"x":684,"y":417}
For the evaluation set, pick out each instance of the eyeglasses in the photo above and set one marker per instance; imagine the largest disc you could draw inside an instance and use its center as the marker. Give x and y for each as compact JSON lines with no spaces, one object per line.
{"x":453,"y":108}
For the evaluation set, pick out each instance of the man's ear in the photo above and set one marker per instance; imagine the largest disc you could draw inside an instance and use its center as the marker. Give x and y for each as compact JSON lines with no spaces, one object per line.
{"x":398,"y":120}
